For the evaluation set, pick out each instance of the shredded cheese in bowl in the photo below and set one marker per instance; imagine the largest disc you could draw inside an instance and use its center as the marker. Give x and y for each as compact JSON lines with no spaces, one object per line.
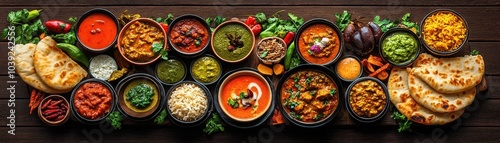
{"x":187,"y":102}
{"x":102,"y":66}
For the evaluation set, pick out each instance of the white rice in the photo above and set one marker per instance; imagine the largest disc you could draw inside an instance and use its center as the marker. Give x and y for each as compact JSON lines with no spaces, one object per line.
{"x":188,"y":102}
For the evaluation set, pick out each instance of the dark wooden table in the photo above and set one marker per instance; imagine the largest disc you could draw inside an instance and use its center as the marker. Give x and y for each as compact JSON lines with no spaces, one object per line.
{"x":480,"y":122}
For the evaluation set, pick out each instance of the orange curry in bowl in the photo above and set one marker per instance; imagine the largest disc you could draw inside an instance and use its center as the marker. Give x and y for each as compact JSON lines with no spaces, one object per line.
{"x":245,"y":96}
{"x":309,"y":96}
{"x":319,"y":44}
{"x":97,"y":31}
{"x":139,"y":40}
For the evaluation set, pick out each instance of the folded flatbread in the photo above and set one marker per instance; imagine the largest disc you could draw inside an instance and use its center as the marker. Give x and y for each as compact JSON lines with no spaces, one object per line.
{"x":55,"y":68}
{"x":435,"y":101}
{"x":26,"y":70}
{"x":450,"y":75}
{"x":400,"y":96}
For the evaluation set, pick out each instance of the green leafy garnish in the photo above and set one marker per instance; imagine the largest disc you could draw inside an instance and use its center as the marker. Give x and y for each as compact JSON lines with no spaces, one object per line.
{"x":208,"y":20}
{"x":343,"y":20}
{"x":160,"y":119}
{"x":264,"y":54}
{"x":213,"y":125}
{"x":474,"y":52}
{"x":296,"y":61}
{"x":313,"y":92}
{"x":166,"y":20}
{"x":260,"y":17}
{"x":295,"y":115}
{"x":333,"y":92}
{"x":242,"y":95}
{"x":140,"y":96}
{"x":69,"y":37}
{"x":115,"y":118}
{"x":276,"y":26}
{"x":292,"y":104}
{"x":233,"y":103}
{"x":385,"y":24}
{"x":219,"y":20}
{"x":318,"y":116}
{"x":404,"y":123}
{"x":158,"y":47}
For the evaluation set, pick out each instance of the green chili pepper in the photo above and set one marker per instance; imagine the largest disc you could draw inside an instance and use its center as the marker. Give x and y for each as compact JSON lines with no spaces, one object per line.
{"x":74,"y":52}
{"x":32,"y":15}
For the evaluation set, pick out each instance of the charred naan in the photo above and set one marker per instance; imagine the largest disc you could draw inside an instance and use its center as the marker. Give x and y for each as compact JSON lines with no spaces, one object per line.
{"x":435,"y":101}
{"x":54,"y":67}
{"x":450,"y":75}
{"x":399,"y":93}
{"x":26,"y":70}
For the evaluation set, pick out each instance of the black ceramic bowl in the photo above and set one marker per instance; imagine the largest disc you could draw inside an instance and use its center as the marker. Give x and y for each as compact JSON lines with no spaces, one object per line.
{"x":83,"y":119}
{"x":169,"y":62}
{"x":87,"y":14}
{"x":442,"y":53}
{"x":355,"y":115}
{"x":338,"y":71}
{"x":314,"y":21}
{"x":195,"y":76}
{"x":286,"y":112}
{"x":177,"y":48}
{"x":149,"y":112}
{"x":390,"y":33}
{"x":198,"y":121}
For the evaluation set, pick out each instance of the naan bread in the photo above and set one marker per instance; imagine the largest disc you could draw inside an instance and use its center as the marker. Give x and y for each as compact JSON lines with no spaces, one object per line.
{"x":399,"y":93}
{"x":26,"y":70}
{"x":435,"y":101}
{"x":450,"y":75}
{"x":55,"y":68}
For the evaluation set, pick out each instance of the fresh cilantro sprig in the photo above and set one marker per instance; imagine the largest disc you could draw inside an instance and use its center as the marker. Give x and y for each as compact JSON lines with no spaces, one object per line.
{"x":385,"y":24}
{"x":404,"y":123}
{"x":217,"y":20}
{"x":474,"y":52}
{"x":213,"y":125}
{"x":115,"y":118}
{"x":158,"y":47}
{"x":160,"y":119}
{"x":343,"y":20}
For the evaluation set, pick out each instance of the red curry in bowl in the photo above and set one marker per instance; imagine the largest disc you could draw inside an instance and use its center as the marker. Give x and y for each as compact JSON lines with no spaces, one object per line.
{"x":97,"y":30}
{"x":189,"y":35}
{"x":92,"y":100}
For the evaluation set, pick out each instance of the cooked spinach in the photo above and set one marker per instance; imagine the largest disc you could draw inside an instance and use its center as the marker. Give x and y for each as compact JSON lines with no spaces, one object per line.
{"x":141,"y":95}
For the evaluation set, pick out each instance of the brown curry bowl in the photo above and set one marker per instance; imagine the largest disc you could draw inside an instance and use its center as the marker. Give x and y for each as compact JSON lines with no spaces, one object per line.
{"x":277,"y":50}
{"x":140,"y":113}
{"x":122,"y":35}
{"x":42,"y":108}
{"x":353,"y":105}
{"x":174,"y":29}
{"x":220,"y":42}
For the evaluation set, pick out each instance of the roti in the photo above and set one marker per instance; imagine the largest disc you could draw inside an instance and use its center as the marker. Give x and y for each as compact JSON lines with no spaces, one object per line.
{"x":26,"y":70}
{"x":426,"y":96}
{"x":399,"y":93}
{"x":55,"y":68}
{"x":450,"y":75}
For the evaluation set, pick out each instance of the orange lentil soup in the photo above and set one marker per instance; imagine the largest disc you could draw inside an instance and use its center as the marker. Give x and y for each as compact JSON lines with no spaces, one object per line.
{"x":97,"y":31}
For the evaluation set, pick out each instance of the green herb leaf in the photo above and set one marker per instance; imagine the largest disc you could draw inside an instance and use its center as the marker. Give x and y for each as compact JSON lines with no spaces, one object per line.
{"x":72,"y":19}
{"x":208,"y":20}
{"x":297,"y":21}
{"x":164,"y":54}
{"x":115,"y":118}
{"x":242,"y":95}
{"x":333,"y":91}
{"x":264,"y":54}
{"x":318,"y":116}
{"x":260,"y":17}
{"x":160,"y":119}
{"x":5,"y":32}
{"x":157,"y":46}
{"x":169,"y":19}
{"x":404,"y":123}
{"x":343,"y":20}
{"x":473,"y":52}
{"x":233,"y":103}
{"x":218,"y":20}
{"x":213,"y":125}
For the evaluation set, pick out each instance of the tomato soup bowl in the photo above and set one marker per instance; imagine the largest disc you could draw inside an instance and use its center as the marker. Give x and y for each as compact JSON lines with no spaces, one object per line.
{"x":100,"y":93}
{"x":189,"y":35}
{"x":220,"y":42}
{"x":240,"y":82}
{"x":141,"y":53}
{"x":128,"y":109}
{"x":97,"y":30}
{"x":324,"y":31}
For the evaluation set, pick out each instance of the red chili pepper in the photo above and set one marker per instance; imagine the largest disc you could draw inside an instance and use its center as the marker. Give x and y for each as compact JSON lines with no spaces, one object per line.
{"x":164,"y":26}
{"x":289,"y":37}
{"x":57,"y":26}
{"x":256,"y":29}
{"x":251,"y":21}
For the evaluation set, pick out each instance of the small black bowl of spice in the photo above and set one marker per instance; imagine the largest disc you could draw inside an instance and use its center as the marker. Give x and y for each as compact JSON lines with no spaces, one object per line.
{"x":367,"y":99}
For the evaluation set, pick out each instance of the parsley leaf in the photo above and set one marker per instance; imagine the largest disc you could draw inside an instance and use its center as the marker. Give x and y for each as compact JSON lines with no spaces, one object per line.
{"x":160,"y":119}
{"x":333,"y":92}
{"x":213,"y":125}
{"x":158,"y":47}
{"x":115,"y":119}
{"x":474,"y":52}
{"x":404,"y":123}
{"x":218,"y":20}
{"x":343,"y":20}
{"x":260,"y":17}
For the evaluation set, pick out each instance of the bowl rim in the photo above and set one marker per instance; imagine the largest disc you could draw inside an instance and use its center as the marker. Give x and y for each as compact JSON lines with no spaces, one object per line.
{"x":319,"y":68}
{"x":328,"y":23}
{"x":54,"y":123}
{"x":389,"y":33}
{"x":112,"y":107}
{"x":268,"y":62}
{"x":203,"y":117}
{"x":360,"y":65}
{"x":243,"y":125}
{"x":199,"y":19}
{"x":150,"y":22}
{"x":234,"y":75}
{"x":91,"y":59}
{"x":155,"y":110}
{"x":233,"y":21}
{"x":443,"y":53}
{"x":206,"y":83}
{"x":365,"y":119}
{"x":98,"y":10}
{"x":170,"y":58}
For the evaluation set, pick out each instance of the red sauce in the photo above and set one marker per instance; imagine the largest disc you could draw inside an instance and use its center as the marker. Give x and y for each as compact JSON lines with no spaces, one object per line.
{"x":189,"y":35}
{"x":239,"y":84}
{"x":97,"y":31}
{"x":92,"y":100}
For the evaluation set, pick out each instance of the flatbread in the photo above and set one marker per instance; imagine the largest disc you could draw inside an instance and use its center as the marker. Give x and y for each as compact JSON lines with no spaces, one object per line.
{"x":26,"y":70}
{"x":435,"y":101}
{"x":55,"y":68}
{"x":400,"y":96}
{"x":450,"y":75}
